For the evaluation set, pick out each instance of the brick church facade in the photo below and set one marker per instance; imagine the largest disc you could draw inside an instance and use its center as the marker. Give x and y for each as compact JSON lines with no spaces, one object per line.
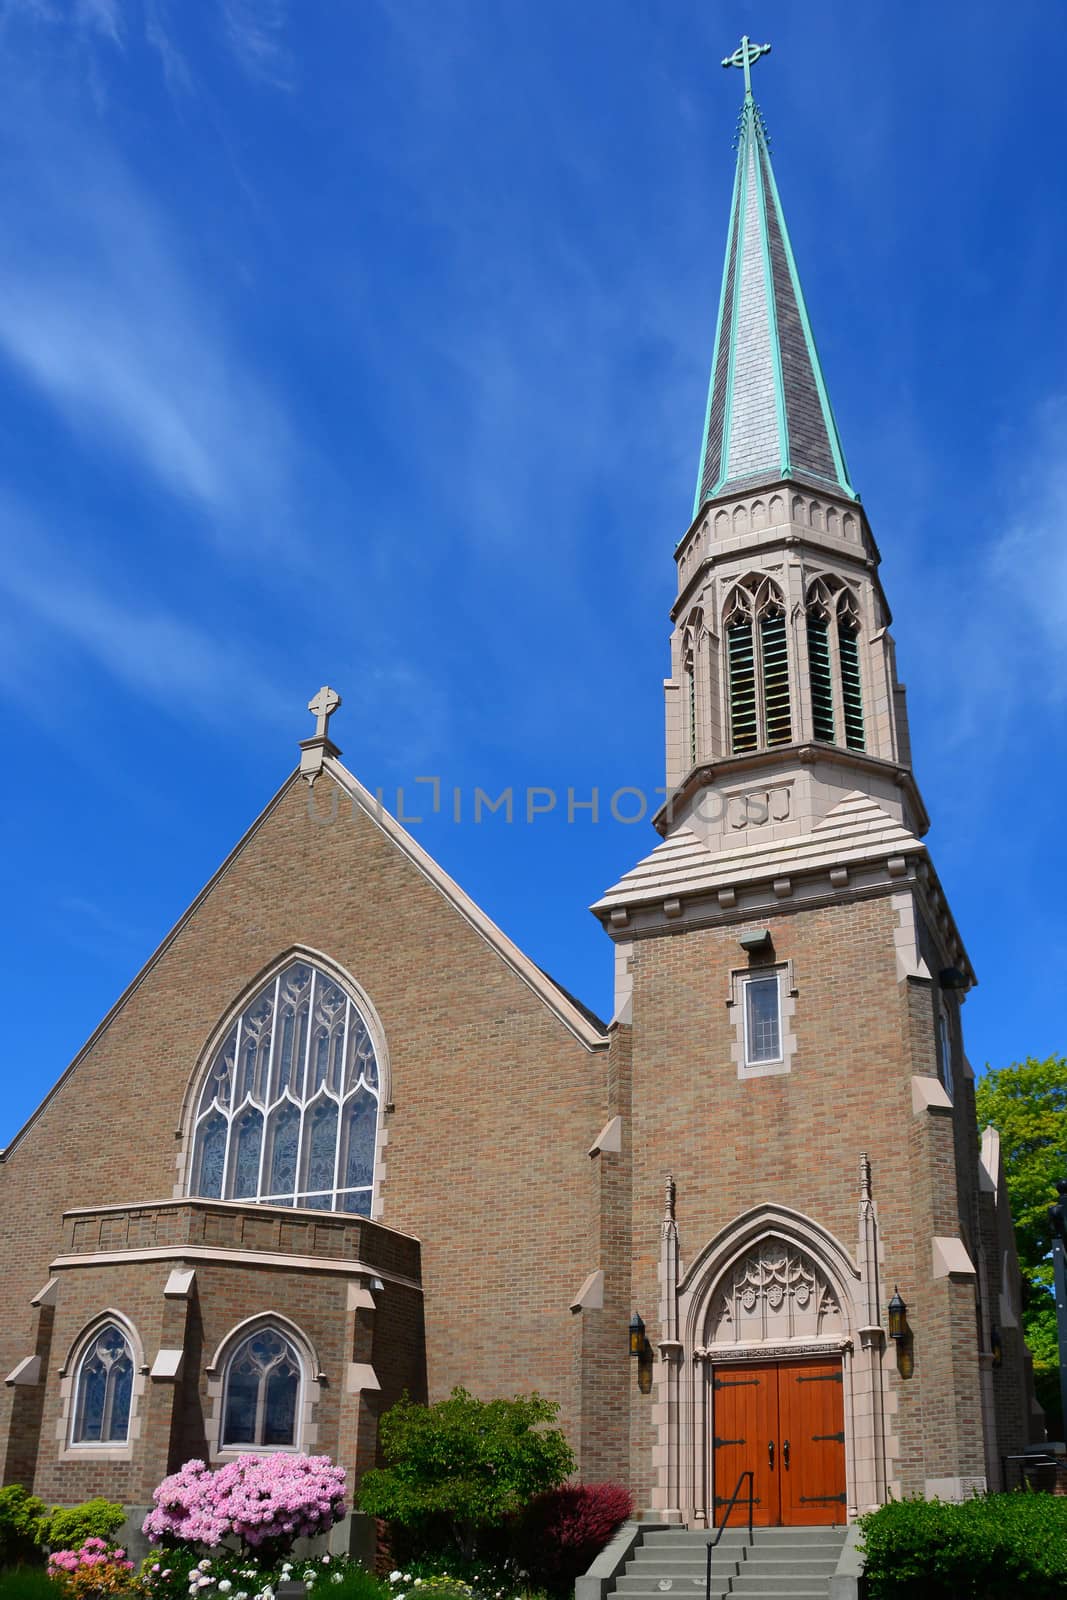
{"x":341,"y":1138}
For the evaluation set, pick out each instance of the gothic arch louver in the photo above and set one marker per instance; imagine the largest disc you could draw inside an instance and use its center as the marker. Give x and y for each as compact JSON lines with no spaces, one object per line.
{"x":757,"y":666}
{"x":833,"y":630}
{"x":288,"y":1111}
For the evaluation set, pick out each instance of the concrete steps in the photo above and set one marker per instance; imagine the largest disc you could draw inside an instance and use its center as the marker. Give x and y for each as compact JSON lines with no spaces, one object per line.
{"x":780,"y":1564}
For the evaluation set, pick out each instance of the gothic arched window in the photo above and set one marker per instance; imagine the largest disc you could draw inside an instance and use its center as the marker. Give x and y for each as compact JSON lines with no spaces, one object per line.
{"x":103,"y":1388}
{"x":757,"y":666}
{"x":833,"y":629}
{"x":288,"y":1112}
{"x":261,"y":1392}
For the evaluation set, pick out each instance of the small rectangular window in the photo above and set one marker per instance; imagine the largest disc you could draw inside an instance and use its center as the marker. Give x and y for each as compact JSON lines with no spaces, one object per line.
{"x":763,"y":1020}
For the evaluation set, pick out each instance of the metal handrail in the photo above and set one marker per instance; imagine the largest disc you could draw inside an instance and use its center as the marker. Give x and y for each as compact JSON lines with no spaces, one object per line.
{"x":721,"y":1529}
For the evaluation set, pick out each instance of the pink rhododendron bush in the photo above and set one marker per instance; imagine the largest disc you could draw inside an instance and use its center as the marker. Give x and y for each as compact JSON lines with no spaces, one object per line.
{"x":260,"y":1500}
{"x":92,"y":1571}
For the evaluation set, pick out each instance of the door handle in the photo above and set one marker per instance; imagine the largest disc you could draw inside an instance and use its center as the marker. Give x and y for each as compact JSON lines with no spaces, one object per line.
{"x":785,"y":1453}
{"x":770,"y":1454}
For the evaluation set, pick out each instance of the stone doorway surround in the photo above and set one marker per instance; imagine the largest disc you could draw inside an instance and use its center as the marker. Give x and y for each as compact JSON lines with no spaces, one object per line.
{"x":772,"y":1285}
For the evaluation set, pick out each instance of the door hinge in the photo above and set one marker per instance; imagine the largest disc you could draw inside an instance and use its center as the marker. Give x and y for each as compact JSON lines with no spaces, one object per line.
{"x":837,"y":1438}
{"x":810,"y":1499}
{"x":735,"y":1383}
{"x":821,"y":1377}
{"x":718,"y":1443}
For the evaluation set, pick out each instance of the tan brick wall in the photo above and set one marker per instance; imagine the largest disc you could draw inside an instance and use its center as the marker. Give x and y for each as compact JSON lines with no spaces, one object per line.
{"x":796,"y":1140}
{"x":496,"y":1104}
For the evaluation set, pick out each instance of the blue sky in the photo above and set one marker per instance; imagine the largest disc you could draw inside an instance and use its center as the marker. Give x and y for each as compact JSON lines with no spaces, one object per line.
{"x":366,"y":341}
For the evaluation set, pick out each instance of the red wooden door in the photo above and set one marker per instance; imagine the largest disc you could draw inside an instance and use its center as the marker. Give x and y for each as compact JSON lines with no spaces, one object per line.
{"x":744,"y":1422}
{"x":811,"y":1422}
{"x":784,"y":1422}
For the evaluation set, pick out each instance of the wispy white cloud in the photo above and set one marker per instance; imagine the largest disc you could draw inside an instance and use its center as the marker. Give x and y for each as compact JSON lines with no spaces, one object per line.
{"x":102,"y":17}
{"x":1028,"y":562}
{"x":99,"y":314}
{"x":254,"y":31}
{"x":188,"y":670}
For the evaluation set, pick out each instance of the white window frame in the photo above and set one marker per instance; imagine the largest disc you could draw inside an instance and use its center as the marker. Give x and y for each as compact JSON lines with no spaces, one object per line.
{"x":737,"y":1003}
{"x":747,"y":984}
{"x":70,"y":1376}
{"x":247,"y":1446}
{"x":308,"y":1395}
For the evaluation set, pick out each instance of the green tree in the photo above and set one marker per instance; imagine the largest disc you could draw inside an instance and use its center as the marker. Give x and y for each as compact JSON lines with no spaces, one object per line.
{"x":1027,"y":1104}
{"x":457,"y":1469}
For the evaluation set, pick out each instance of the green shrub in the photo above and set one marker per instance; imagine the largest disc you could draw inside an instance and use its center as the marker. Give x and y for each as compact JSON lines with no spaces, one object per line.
{"x":994,"y":1547}
{"x":457,"y":1470}
{"x":68,"y":1527}
{"x":19,"y":1515}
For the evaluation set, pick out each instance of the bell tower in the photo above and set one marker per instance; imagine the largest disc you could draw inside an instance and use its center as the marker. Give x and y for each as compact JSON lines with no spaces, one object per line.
{"x":789,"y":985}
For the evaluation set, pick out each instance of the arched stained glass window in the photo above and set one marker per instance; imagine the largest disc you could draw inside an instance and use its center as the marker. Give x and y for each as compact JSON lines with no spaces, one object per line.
{"x":288,"y":1112}
{"x":262,"y":1392}
{"x":104,"y":1389}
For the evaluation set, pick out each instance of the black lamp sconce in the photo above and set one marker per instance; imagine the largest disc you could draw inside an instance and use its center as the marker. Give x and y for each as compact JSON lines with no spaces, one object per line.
{"x":900,"y":1334}
{"x":642,"y":1353}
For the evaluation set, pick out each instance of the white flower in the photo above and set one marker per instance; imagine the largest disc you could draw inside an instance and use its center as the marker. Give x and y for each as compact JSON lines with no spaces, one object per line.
{"x":395,"y":1577}
{"x":225,"y":1586}
{"x":338,"y":1577}
{"x":205,"y":1565}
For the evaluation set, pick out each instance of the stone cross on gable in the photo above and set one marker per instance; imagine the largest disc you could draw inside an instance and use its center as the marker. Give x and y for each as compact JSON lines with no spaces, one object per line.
{"x":322,"y":707}
{"x":744,"y":57}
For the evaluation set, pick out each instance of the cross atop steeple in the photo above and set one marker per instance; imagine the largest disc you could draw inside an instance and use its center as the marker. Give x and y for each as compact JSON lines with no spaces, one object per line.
{"x":745,"y":56}
{"x":313,"y":751}
{"x":322,"y":707}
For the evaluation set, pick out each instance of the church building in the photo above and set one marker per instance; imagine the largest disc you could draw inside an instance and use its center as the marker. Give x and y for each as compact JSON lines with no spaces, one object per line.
{"x":340,"y":1138}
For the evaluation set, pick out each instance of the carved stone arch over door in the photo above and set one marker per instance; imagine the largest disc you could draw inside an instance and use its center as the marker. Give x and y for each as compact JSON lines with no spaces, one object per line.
{"x":772,"y":1286}
{"x":776,"y":1292}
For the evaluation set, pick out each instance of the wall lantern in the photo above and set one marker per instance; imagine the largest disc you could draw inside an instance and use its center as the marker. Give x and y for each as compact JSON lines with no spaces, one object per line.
{"x":642,"y":1350}
{"x":997,"y":1348}
{"x":898,"y":1318}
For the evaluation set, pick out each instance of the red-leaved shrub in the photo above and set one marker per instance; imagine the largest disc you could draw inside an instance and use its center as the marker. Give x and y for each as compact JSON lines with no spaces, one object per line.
{"x":562,"y":1531}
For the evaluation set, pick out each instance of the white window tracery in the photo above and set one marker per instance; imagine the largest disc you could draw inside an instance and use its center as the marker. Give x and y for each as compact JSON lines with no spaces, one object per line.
{"x":103,"y":1388}
{"x":262,"y":1393}
{"x":288,"y":1112}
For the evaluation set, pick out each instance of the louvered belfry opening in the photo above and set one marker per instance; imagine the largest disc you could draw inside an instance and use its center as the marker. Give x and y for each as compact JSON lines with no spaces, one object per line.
{"x":760,"y":709}
{"x":851,"y":685}
{"x":774,"y":650}
{"x":744,"y":725}
{"x":820,"y":667}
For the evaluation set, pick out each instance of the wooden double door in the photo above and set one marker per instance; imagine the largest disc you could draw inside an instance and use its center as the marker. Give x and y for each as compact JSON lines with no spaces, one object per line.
{"x":785,"y":1422}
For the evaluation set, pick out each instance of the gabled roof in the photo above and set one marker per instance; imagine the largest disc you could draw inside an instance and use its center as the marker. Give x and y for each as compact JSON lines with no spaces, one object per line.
{"x":586,"y":1027}
{"x":583,"y":1023}
{"x":856,"y":829}
{"x":769,"y":414}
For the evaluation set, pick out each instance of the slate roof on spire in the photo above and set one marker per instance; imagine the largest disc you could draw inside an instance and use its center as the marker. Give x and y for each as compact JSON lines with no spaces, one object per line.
{"x":769,"y":414}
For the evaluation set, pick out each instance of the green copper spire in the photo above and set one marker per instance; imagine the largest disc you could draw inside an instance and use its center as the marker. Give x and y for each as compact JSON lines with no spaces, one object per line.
{"x":769,"y":414}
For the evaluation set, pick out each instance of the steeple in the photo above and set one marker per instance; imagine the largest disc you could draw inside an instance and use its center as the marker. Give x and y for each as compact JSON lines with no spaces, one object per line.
{"x":769,"y":414}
